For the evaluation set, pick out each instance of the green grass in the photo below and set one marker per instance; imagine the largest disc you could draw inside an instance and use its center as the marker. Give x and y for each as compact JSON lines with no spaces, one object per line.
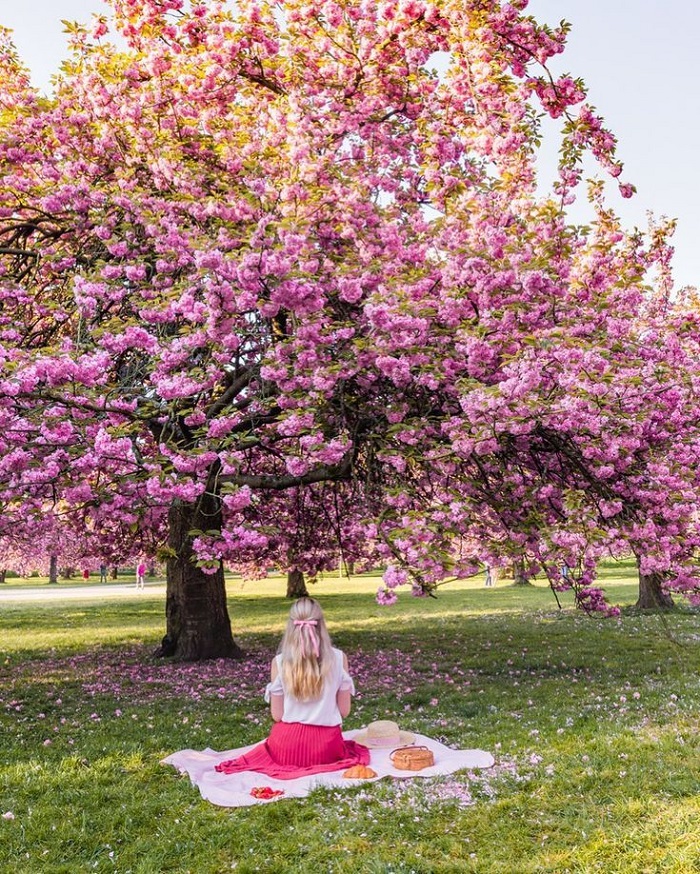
{"x":593,"y":722}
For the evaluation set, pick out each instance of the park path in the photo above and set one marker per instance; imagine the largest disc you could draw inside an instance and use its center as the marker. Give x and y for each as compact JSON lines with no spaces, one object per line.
{"x":67,"y":593}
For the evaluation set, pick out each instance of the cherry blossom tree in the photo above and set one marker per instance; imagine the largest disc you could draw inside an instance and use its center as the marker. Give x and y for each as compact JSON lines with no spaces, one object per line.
{"x":308,"y":531}
{"x":261,"y":254}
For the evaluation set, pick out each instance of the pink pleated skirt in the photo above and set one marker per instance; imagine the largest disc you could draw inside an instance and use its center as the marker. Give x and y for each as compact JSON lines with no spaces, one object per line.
{"x":297,"y":750}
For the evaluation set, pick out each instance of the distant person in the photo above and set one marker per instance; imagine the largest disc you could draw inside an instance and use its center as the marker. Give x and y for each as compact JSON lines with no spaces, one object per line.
{"x":86,"y":574}
{"x":140,"y":575}
{"x":103,"y":573}
{"x":488,"y":578}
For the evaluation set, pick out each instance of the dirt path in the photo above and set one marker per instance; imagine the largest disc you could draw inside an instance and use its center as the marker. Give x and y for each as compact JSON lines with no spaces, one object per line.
{"x":66,"y":593}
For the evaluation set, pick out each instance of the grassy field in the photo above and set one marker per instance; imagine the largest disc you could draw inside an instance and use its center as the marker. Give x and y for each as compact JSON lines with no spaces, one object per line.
{"x":593,"y":723}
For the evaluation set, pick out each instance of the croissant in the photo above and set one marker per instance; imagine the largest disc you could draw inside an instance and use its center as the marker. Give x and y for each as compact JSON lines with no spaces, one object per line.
{"x":359,"y":772}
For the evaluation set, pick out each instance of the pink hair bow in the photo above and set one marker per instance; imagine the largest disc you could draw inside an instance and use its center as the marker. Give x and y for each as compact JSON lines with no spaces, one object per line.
{"x":310,"y":626}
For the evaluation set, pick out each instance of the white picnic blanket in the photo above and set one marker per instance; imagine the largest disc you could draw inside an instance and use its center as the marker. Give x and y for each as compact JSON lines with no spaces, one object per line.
{"x":233,"y":790}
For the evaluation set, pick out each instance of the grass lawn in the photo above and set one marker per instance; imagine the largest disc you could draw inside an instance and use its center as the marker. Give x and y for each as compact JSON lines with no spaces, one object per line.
{"x":593,"y":722}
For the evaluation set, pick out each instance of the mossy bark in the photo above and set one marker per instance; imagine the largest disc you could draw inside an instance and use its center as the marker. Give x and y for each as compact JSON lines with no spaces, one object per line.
{"x":197,"y":620}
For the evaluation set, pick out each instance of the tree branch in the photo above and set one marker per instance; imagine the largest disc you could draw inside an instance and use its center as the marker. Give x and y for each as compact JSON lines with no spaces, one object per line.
{"x":10,"y":250}
{"x":231,"y":392}
{"x":324,"y":473}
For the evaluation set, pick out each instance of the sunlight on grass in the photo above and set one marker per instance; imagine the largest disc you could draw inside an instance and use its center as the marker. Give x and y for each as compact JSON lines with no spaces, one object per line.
{"x":593,"y":722}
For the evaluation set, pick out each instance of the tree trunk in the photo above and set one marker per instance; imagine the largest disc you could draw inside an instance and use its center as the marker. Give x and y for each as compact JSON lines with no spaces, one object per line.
{"x":53,"y":570}
{"x":519,"y":577}
{"x":3,"y":574}
{"x":197,"y":621}
{"x":651,"y":594}
{"x":296,"y":585}
{"x":115,"y":573}
{"x":346,"y":568}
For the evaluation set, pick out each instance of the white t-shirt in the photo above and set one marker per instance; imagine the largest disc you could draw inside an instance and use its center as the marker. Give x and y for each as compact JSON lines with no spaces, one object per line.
{"x":322,"y":711}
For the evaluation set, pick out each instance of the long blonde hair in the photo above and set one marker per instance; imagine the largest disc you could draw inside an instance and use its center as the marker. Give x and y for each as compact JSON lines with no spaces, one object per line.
{"x":306,"y":650}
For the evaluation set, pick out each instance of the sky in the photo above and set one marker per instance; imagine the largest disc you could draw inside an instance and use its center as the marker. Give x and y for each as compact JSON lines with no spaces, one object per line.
{"x":637,"y":57}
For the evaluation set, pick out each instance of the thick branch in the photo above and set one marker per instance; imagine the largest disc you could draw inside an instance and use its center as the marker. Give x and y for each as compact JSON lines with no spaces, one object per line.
{"x":10,"y":250}
{"x":231,"y":392}
{"x":324,"y":473}
{"x":263,"y":80}
{"x":81,"y":404}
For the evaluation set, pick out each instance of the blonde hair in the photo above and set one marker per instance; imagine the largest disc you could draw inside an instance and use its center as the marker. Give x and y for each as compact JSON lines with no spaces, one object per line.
{"x":303,"y":670}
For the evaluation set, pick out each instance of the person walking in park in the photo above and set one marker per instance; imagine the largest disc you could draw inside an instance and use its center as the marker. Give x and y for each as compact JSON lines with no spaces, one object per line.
{"x":309,"y":694}
{"x":103,"y":573}
{"x":140,"y":574}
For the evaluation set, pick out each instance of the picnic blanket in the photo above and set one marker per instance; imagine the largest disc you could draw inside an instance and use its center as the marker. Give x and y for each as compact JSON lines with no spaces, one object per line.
{"x":234,"y":790}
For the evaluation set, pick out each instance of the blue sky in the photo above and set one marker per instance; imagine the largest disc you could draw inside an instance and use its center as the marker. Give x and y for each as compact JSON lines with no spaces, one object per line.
{"x":639,"y":61}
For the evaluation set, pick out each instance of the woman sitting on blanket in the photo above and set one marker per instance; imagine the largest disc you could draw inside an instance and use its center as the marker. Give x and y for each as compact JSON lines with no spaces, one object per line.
{"x":309,"y":694}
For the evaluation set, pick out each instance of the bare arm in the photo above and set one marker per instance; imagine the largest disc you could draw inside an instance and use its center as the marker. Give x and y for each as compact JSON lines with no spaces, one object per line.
{"x":343,"y":697}
{"x":276,"y":701}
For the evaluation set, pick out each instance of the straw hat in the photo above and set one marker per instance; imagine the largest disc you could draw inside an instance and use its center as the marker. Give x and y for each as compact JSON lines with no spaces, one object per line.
{"x":383,"y":733}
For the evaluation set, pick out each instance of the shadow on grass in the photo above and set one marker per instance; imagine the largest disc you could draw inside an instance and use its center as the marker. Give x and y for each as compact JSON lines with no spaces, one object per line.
{"x":593,"y":723}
